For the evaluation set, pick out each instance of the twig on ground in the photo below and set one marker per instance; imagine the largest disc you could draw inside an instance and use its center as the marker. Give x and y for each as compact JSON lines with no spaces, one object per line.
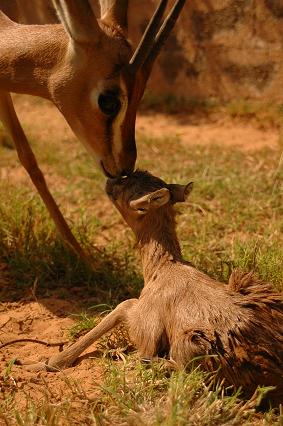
{"x":40,"y":342}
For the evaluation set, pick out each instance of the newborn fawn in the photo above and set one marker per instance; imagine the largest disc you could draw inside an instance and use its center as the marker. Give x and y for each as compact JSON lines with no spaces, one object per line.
{"x":236,"y":329}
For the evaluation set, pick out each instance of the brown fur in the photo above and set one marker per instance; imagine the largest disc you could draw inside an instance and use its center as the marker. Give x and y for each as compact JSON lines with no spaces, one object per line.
{"x":39,"y":60}
{"x":236,"y":329}
{"x":80,"y":65}
{"x":66,"y":64}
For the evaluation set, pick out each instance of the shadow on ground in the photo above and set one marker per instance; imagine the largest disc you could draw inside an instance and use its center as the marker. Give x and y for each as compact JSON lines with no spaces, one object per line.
{"x":53,"y":272}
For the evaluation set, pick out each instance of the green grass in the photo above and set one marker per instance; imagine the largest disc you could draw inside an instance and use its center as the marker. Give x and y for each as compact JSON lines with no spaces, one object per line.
{"x":142,"y":396}
{"x":5,"y":140}
{"x":170,"y":104}
{"x":132,"y":394}
{"x":234,"y":218}
{"x":264,"y":114}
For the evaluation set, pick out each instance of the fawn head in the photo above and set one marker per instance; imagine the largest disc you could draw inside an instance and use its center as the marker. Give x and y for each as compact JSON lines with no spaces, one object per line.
{"x":101,"y":82}
{"x":142,"y":195}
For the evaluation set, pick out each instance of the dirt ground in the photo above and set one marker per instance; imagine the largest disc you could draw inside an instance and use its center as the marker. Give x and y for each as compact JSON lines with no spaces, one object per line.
{"x":221,"y":131}
{"x":35,"y":320}
{"x":50,"y":320}
{"x":189,"y":129}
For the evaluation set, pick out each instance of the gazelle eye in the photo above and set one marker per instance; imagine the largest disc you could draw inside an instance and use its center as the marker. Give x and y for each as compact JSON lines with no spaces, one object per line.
{"x":109,"y":103}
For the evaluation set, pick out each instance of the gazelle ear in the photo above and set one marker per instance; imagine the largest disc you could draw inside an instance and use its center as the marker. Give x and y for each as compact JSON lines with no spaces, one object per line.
{"x":180,"y":193}
{"x":78,"y":19}
{"x":151,"y":201}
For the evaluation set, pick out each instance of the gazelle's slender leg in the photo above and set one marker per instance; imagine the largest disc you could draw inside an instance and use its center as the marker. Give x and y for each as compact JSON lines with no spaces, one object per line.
{"x":68,"y":356}
{"x":26,"y":156}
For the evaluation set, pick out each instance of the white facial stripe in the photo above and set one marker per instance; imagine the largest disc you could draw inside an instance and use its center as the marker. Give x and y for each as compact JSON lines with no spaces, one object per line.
{"x":117,"y":123}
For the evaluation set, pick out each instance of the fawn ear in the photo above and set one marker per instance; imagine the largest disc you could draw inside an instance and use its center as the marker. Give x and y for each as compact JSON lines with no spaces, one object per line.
{"x":151,"y":201}
{"x":179,"y":193}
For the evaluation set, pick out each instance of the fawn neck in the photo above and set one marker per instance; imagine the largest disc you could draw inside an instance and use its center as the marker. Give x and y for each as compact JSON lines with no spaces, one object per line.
{"x":158,"y":243}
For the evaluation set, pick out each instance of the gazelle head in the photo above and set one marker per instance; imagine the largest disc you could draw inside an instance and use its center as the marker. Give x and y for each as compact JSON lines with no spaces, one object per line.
{"x":141,"y":196}
{"x":103,"y":80}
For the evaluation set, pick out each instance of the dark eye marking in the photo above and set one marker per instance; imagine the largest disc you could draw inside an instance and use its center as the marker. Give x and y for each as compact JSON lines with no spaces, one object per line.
{"x":109,"y":103}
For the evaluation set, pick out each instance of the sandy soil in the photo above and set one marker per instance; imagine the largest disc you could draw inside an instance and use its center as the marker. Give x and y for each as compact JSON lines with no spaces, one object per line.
{"x":49,"y":321}
{"x":193,"y":130}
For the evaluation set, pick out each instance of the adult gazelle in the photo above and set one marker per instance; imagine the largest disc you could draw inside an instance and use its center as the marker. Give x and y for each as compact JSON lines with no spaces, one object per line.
{"x":86,"y":67}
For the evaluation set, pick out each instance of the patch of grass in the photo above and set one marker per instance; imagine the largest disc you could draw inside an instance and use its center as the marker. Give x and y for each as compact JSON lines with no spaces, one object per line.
{"x":242,"y":108}
{"x":137,"y":395}
{"x":265,"y":258}
{"x":37,"y":260}
{"x":232,"y":219}
{"x":262,"y":114}
{"x":170,"y":104}
{"x":51,"y":408}
{"x":133,"y":394}
{"x":5,"y":140}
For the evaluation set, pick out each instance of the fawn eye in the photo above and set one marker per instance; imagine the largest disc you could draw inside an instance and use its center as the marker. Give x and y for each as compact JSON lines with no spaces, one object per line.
{"x":109,"y":103}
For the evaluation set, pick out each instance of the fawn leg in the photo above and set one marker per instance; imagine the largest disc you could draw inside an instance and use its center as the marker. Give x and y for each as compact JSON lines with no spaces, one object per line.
{"x":147,"y":353}
{"x":147,"y":337}
{"x":26,"y":156}
{"x":68,"y":356}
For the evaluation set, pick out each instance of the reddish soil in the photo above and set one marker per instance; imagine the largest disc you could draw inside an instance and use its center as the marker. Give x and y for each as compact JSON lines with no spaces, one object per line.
{"x":191,"y":130}
{"x":48,"y":321}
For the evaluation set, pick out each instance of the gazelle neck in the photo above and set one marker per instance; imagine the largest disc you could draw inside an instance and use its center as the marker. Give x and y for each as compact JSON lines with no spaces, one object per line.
{"x":28,"y":56}
{"x":158,"y":243}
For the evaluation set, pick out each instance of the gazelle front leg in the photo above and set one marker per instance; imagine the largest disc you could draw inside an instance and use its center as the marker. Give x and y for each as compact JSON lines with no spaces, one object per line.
{"x":68,"y":356}
{"x":26,"y":156}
